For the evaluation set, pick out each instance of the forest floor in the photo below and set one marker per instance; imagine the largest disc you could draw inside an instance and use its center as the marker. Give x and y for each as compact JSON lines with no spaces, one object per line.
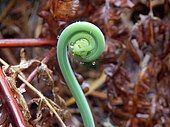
{"x":128,"y":86}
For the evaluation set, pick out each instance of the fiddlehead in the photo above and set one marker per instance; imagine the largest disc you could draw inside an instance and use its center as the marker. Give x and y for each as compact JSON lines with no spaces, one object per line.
{"x":86,"y":43}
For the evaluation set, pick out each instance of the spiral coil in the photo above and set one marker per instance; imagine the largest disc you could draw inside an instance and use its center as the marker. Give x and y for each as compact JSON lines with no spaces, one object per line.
{"x":86,"y":42}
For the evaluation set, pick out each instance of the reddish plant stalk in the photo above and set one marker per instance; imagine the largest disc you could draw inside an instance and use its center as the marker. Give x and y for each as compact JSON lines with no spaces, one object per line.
{"x":32,"y":42}
{"x":10,"y":103}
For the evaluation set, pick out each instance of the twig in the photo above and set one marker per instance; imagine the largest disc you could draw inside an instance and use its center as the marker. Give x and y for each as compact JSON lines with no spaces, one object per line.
{"x":37,"y":92}
{"x":10,"y":102}
{"x":94,"y":85}
{"x":26,"y":42}
{"x":100,"y":95}
{"x":44,"y":61}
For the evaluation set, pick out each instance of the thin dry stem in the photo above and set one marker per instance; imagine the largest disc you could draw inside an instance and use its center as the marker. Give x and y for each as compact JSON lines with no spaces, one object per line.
{"x":37,"y":92}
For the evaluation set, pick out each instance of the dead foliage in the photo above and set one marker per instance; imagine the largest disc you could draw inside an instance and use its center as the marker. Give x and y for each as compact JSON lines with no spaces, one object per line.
{"x":134,"y":91}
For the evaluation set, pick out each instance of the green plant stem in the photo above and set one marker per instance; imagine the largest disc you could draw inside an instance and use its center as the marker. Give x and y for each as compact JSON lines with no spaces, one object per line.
{"x":86,"y":42}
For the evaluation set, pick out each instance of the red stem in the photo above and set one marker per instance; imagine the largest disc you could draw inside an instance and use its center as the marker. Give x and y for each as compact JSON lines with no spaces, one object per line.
{"x":10,"y":102}
{"x":32,"y":42}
